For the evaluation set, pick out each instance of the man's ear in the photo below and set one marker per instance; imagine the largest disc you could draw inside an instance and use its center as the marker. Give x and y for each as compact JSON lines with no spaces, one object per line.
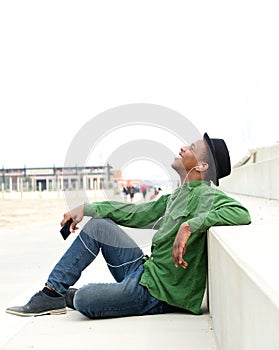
{"x":202,"y":167}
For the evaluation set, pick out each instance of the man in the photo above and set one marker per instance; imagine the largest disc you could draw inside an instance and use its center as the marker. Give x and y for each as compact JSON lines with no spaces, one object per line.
{"x":172,"y":278}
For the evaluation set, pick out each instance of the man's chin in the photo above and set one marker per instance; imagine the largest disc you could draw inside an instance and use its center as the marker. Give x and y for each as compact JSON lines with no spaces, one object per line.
{"x":177,"y":165}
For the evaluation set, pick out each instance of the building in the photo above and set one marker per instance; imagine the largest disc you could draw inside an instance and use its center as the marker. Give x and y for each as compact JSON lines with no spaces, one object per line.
{"x":58,"y":178}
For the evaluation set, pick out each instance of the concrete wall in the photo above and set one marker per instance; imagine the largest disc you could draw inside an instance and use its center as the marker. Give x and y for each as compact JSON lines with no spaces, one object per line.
{"x":243,"y":286}
{"x":258,"y":179}
{"x":266,"y":153}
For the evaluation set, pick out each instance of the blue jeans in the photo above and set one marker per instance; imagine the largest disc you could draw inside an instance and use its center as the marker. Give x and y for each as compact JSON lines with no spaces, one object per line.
{"x":125,"y":297}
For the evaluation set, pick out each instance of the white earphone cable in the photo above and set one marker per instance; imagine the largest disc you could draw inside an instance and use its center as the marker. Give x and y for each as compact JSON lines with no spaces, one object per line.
{"x":126,"y":263}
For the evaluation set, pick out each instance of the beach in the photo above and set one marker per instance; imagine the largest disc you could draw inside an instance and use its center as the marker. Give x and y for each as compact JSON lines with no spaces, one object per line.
{"x":21,"y":209}
{"x":18,"y":212}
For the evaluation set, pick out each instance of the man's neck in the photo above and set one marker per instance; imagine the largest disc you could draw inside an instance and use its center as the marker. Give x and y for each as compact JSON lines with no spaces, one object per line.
{"x":188,"y":177}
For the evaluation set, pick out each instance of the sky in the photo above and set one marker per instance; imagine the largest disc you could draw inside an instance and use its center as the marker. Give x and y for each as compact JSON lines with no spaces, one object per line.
{"x":64,"y":62}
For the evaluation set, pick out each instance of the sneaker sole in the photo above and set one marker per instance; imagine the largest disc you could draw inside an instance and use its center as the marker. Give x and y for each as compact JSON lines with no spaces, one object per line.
{"x":48,"y":312}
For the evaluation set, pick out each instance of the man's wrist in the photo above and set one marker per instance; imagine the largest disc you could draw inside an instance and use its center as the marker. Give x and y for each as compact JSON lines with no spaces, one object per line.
{"x":186,"y":227}
{"x":88,"y":209}
{"x":84,"y":204}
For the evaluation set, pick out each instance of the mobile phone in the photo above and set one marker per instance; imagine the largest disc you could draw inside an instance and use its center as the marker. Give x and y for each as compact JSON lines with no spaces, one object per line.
{"x":65,"y":230}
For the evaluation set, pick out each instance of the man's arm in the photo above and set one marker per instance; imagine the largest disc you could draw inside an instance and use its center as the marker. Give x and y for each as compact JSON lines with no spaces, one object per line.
{"x":128,"y":214}
{"x":229,"y":212}
{"x":125,"y":214}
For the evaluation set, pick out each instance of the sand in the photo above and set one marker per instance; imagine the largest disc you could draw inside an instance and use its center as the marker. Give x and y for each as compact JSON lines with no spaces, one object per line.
{"x":18,"y":209}
{"x":16,"y":212}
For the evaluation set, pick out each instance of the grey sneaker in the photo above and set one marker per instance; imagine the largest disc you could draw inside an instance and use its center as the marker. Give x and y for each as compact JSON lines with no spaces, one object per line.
{"x":40,"y":304}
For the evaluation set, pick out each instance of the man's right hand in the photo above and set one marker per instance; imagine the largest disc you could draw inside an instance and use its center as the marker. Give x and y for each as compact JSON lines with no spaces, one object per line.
{"x":76,"y":215}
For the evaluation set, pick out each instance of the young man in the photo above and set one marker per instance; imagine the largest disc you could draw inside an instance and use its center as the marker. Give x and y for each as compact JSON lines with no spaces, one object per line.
{"x":171,"y":278}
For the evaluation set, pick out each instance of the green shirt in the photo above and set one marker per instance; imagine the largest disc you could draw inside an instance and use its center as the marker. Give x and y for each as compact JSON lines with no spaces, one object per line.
{"x":202,"y":206}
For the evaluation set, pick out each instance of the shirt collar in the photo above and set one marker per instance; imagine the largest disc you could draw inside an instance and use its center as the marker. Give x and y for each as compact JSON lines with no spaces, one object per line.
{"x":196,"y":183}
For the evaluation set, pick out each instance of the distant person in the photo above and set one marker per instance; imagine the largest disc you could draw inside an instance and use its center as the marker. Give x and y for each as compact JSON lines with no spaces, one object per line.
{"x":131,"y":192}
{"x":125,"y":192}
{"x":173,"y":277}
{"x":143,"y":190}
{"x":156,"y":193}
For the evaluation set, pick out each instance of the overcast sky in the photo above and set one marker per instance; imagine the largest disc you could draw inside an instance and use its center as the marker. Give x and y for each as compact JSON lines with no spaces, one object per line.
{"x":63,"y":62}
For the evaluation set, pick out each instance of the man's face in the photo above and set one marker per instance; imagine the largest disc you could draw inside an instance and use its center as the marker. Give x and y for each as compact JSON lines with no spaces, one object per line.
{"x":190,"y":156}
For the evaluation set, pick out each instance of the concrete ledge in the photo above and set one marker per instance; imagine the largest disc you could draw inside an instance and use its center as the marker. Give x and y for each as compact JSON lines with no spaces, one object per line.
{"x":244,"y":286}
{"x":255,"y":179}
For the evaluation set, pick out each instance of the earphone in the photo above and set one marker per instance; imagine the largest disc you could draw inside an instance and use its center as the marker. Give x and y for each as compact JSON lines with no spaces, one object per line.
{"x":198,"y":166}
{"x":153,"y":227}
{"x":201,"y":166}
{"x":115,"y":266}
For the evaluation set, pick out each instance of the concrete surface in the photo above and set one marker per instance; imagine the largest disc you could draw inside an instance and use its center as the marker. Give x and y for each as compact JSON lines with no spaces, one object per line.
{"x":28,"y":254}
{"x":257,"y":177}
{"x":244,"y":286}
{"x":244,"y":280}
{"x":267,"y":152}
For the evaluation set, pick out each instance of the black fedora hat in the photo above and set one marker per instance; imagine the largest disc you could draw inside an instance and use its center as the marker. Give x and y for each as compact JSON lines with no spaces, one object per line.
{"x":221,"y":158}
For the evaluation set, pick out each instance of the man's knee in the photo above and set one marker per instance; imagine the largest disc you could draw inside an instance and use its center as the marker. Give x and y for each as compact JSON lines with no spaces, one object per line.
{"x":95,"y":227}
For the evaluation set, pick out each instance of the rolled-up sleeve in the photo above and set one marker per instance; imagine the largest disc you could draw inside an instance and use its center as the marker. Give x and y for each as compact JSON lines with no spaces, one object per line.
{"x":221,"y":213}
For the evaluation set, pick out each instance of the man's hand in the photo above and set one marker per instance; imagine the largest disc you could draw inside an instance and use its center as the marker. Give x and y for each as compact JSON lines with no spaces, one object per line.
{"x":76,"y":215}
{"x":179,"y":245}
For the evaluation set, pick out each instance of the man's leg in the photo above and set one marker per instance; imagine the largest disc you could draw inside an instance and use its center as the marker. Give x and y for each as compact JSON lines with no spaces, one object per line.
{"x":124,"y":258}
{"x":120,"y":251}
{"x":126,"y":298}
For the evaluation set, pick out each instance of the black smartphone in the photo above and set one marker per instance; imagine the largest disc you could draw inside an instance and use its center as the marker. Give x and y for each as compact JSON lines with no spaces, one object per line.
{"x":65,"y":230}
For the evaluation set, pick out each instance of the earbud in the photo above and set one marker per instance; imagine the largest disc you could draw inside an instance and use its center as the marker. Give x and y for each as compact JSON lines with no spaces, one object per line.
{"x":201,"y":166}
